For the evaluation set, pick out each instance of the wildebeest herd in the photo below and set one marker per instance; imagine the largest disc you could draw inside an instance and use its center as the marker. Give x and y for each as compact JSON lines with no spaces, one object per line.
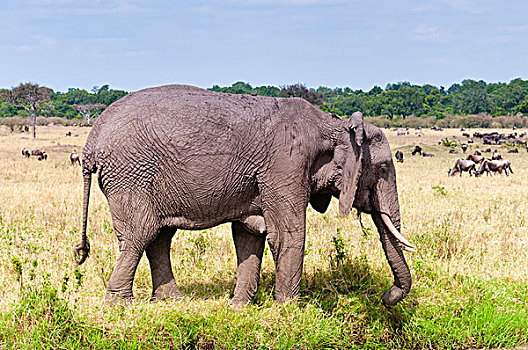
{"x":42,"y":155}
{"x":476,"y":163}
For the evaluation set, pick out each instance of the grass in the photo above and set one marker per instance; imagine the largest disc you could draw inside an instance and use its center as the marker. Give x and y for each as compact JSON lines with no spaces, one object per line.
{"x":469,"y":275}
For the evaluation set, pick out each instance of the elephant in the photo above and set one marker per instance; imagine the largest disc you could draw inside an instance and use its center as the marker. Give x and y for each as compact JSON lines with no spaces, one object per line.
{"x":180,"y":157}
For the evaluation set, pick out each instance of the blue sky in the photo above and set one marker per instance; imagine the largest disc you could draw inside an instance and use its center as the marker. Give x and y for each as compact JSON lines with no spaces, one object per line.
{"x":335,"y":43}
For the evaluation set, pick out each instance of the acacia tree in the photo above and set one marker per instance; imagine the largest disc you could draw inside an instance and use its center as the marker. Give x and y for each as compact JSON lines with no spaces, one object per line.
{"x":31,"y":97}
{"x":89,"y":110}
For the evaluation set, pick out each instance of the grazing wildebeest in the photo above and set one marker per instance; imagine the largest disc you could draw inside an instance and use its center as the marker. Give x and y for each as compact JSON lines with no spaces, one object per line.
{"x":464,"y":147}
{"x":487,"y":150}
{"x":495,"y":166}
{"x":25,"y":153}
{"x":425,"y":154}
{"x":465,"y":134}
{"x":515,"y":150}
{"x":399,"y":156}
{"x":43,"y":156}
{"x":74,"y":158}
{"x":462,"y":165}
{"x":477,"y":158}
{"x":68,"y":133}
{"x":496,"y":155}
{"x":452,"y":151}
{"x":477,"y":152}
{"x":417,"y":149}
{"x":40,"y":153}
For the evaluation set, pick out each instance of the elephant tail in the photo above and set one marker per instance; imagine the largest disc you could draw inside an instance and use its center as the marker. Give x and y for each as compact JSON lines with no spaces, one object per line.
{"x":83,"y":249}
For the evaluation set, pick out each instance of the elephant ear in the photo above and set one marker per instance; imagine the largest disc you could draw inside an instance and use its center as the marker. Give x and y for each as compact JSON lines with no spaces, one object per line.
{"x":352,"y":167}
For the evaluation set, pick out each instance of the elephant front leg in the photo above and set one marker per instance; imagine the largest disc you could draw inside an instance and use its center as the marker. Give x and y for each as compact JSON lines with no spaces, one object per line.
{"x":249,"y":250}
{"x":286,"y":240}
{"x":158,"y":253}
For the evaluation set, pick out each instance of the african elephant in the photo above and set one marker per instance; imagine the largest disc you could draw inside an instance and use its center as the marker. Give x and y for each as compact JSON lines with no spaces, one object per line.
{"x":182,"y":157}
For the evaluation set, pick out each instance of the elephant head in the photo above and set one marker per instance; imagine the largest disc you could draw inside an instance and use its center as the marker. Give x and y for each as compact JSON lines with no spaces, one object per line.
{"x":365,"y":178}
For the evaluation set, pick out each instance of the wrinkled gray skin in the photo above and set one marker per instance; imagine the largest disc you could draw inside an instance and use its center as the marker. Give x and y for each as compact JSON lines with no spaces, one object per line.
{"x":181,"y":157}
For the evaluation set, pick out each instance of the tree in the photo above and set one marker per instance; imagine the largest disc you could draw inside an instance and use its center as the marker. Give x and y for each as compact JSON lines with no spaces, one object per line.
{"x":31,"y":97}
{"x":89,"y":110}
{"x":299,"y":90}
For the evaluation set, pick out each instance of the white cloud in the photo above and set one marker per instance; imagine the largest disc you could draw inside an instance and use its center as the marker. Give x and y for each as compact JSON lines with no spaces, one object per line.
{"x":429,"y":33}
{"x":39,"y":42}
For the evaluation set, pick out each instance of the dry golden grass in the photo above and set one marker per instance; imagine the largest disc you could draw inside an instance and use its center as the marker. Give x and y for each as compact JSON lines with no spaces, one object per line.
{"x":462,"y":226}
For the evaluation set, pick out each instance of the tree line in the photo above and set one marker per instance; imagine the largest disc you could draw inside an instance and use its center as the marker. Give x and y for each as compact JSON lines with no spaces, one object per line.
{"x":395,"y":105}
{"x":400,"y":100}
{"x":14,"y":102}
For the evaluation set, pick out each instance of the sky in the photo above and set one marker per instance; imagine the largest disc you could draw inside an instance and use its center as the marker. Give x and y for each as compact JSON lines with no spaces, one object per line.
{"x":359,"y":44}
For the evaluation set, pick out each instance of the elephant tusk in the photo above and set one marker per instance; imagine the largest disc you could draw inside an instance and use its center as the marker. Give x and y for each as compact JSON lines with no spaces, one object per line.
{"x":388,"y":222}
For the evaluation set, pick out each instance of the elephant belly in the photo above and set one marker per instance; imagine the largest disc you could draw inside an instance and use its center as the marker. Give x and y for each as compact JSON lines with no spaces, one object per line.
{"x":204,"y":203}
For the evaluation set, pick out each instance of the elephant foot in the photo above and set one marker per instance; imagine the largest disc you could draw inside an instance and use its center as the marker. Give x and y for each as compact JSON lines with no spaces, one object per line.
{"x":167,"y":291}
{"x":118,"y":299}
{"x":392,"y":296}
{"x":236,"y":304}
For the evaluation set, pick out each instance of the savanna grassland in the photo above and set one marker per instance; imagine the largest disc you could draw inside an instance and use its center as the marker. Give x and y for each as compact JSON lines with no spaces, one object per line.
{"x":470,"y":274}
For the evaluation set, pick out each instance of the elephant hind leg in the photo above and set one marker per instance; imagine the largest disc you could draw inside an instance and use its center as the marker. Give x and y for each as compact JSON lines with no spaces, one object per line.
{"x":135,"y":226}
{"x":158,"y":253}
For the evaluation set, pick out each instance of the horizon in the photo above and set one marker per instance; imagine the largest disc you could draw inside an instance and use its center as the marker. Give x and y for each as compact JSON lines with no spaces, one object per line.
{"x":273,"y":85}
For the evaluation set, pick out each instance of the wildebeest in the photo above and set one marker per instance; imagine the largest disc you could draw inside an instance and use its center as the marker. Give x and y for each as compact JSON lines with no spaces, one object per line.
{"x":515,"y":150}
{"x":425,"y":154}
{"x":417,"y":149}
{"x":477,"y":152}
{"x":465,"y":134}
{"x":42,"y":155}
{"x":464,"y":147}
{"x":462,"y":165}
{"x":68,"y":133}
{"x":499,"y":165}
{"x":477,"y":158}
{"x":399,"y":156}
{"x":400,"y":132}
{"x":25,"y":153}
{"x":452,"y":151}
{"x":496,"y":155}
{"x":74,"y":158}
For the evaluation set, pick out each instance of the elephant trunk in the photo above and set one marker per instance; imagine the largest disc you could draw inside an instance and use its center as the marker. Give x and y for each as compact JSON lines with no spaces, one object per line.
{"x":392,"y":245}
